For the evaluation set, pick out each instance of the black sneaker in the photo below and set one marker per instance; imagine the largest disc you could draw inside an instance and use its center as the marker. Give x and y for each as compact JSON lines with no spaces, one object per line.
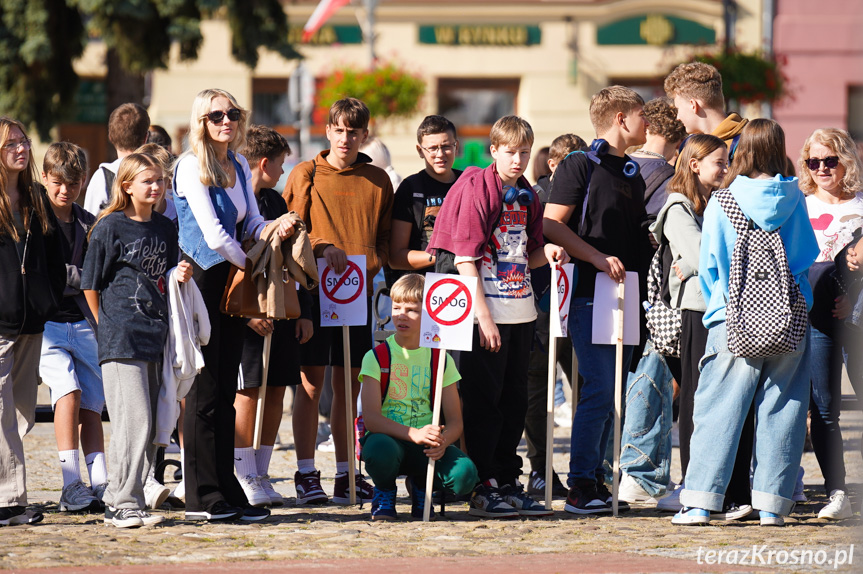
{"x":487,"y":502}
{"x":585,"y":501}
{"x":219,"y":511}
{"x":536,"y":485}
{"x":12,"y":515}
{"x":254,"y":513}
{"x":603,"y":492}
{"x":514,"y":495}
{"x":123,"y":517}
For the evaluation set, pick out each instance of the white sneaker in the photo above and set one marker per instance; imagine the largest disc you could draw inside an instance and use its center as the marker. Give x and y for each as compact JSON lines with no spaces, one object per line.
{"x":563,"y":415}
{"x":276,"y":499}
{"x":327,"y":445}
{"x":155,"y":493}
{"x":799,"y":495}
{"x":671,"y":503}
{"x":252,"y":487}
{"x":180,"y":491}
{"x":839,"y":507}
{"x":630,"y":491}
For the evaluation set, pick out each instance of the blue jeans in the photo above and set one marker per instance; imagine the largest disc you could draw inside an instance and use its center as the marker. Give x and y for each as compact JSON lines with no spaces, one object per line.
{"x":825,"y":371}
{"x":70,"y":362}
{"x":780,"y":388}
{"x":594,"y":417}
{"x":645,"y":450}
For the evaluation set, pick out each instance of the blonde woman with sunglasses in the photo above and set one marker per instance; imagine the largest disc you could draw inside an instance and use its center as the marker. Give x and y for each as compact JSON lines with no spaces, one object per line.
{"x":830,"y":176}
{"x":216,"y":211}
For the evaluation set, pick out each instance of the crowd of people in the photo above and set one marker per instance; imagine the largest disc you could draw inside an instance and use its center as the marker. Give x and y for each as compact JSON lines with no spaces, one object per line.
{"x":119,"y":304}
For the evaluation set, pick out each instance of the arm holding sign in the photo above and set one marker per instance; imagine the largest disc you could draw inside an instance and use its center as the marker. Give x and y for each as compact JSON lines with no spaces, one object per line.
{"x":489,"y":335}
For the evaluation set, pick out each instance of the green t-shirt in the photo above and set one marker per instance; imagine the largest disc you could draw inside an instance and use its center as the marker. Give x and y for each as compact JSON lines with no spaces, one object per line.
{"x":408,"y":401}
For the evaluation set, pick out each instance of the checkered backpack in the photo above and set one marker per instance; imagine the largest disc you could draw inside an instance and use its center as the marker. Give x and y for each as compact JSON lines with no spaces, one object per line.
{"x":663,"y":321}
{"x":766,"y":312}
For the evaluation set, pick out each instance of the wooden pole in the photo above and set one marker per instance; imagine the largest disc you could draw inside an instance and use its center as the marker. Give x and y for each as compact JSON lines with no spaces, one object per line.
{"x":549,"y":410}
{"x":618,"y":391}
{"x":438,"y":394}
{"x":262,"y":392}
{"x":349,"y":414}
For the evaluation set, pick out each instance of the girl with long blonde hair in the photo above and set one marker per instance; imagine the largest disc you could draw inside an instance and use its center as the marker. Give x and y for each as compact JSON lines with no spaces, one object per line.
{"x":132,"y":250}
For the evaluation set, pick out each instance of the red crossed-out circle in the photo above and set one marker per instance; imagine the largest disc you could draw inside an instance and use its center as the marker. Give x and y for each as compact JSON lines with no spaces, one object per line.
{"x":435,"y":313}
{"x":331,"y":294}
{"x":565,"y":280}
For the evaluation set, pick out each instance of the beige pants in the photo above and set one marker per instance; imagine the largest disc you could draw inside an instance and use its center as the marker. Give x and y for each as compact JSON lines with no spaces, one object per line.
{"x":19,"y":370}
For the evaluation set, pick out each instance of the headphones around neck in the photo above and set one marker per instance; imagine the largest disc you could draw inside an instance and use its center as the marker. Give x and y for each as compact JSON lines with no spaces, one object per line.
{"x":511,"y":195}
{"x":600,"y":148}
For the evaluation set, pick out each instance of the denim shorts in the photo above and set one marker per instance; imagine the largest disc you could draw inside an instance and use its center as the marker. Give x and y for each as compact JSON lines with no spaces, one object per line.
{"x":70,"y":362}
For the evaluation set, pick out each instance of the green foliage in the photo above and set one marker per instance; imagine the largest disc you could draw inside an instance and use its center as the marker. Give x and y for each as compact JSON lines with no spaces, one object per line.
{"x":388,"y":91}
{"x":39,"y":39}
{"x":748,"y":78}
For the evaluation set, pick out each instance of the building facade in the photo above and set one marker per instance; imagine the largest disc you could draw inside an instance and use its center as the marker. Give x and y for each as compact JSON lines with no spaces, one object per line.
{"x":480,"y":59}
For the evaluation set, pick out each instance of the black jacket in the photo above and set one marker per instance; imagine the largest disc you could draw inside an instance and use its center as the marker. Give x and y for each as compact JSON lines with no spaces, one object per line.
{"x":29,"y":298}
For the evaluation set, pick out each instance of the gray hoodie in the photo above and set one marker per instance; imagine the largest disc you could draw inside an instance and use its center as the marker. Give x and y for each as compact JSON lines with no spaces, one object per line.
{"x":680,"y":226}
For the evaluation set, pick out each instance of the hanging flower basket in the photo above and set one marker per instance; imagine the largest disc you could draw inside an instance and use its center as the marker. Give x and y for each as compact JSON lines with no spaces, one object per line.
{"x":388,"y":91}
{"x":748,"y":78}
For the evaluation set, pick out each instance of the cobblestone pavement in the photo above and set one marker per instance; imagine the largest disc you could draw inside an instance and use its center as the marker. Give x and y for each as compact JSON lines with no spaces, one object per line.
{"x":323,"y":538}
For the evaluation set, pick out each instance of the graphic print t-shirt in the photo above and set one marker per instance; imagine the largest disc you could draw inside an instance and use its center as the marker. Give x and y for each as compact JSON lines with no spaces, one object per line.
{"x":408,"y":399}
{"x":503,"y":271}
{"x":127,"y":262}
{"x":834,"y":224}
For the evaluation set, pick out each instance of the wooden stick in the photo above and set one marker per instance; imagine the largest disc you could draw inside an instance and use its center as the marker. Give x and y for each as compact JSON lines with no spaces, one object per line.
{"x":349,"y":414}
{"x":262,"y":392}
{"x":618,"y":390}
{"x":438,"y":394}
{"x":549,"y":411}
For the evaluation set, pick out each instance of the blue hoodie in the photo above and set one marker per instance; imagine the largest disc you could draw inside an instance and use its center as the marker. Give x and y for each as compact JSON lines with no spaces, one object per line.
{"x":771,"y":204}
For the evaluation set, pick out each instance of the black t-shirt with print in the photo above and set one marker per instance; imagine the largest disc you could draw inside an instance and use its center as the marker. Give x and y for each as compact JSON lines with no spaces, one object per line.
{"x":615,"y":219}
{"x":127,"y":261}
{"x":423,"y":188}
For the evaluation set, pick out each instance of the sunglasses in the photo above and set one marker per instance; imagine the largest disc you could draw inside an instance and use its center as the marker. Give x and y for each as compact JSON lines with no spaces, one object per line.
{"x":217,"y":116}
{"x":813,"y":163}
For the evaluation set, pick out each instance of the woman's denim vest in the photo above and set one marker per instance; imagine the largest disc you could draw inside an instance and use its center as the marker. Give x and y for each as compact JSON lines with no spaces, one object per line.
{"x":191,"y":238}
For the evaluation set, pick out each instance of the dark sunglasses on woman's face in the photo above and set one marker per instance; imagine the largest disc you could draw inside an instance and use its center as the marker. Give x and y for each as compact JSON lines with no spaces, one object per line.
{"x":217,"y":116}
{"x":831,"y":162}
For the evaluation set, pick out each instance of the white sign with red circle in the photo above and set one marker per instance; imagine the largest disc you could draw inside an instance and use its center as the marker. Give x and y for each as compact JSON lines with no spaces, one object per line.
{"x":343,"y":296}
{"x":447,"y":320}
{"x":561,"y":294}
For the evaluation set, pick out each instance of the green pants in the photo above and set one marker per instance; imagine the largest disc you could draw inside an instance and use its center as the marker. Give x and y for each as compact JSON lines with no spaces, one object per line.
{"x":386,"y":458}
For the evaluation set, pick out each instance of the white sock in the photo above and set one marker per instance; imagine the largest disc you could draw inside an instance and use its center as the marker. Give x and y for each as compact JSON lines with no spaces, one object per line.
{"x":69,"y":466}
{"x":96,"y":468}
{"x":306,"y":465}
{"x":244,"y":461}
{"x":183,"y":462}
{"x":262,"y":459}
{"x":342,"y":468}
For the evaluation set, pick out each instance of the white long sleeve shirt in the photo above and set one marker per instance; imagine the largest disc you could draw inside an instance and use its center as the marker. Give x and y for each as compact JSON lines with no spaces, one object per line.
{"x":187,"y":183}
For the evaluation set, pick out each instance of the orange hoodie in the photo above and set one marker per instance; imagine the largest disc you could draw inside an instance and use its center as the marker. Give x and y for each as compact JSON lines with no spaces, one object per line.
{"x":349,"y":208}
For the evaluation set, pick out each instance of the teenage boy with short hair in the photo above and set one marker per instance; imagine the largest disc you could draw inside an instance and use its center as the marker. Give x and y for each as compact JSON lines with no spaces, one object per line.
{"x":128,"y":127}
{"x":612,"y":238}
{"x":69,"y":363}
{"x":420,"y":196}
{"x":265,"y":150}
{"x":559,"y":149}
{"x":696,"y":89}
{"x":346,"y":204}
{"x":491,"y":227}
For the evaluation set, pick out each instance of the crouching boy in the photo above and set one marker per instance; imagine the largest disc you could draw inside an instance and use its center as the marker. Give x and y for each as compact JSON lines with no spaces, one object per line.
{"x":398,"y":411}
